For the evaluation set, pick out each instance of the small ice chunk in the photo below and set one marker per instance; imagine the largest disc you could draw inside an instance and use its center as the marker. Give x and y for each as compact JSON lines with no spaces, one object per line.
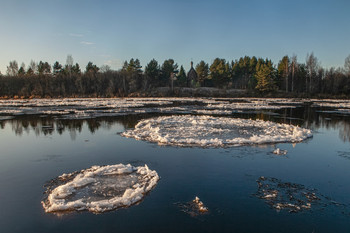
{"x":279,"y":151}
{"x":199,"y":204}
{"x":270,"y":194}
{"x":194,"y":207}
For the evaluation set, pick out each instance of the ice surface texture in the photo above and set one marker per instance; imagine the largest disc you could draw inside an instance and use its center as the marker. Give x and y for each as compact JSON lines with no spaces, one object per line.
{"x":100,"y":188}
{"x":100,"y":107}
{"x":207,"y":131}
{"x":294,"y":197}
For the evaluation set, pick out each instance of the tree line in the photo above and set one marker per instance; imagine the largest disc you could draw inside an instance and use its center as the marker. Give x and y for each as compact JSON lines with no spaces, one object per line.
{"x":256,"y":75}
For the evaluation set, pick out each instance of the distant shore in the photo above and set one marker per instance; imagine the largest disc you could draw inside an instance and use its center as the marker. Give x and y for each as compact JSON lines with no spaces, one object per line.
{"x":195,"y":92}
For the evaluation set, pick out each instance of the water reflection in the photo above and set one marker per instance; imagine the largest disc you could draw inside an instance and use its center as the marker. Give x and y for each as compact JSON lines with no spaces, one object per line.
{"x":48,"y":125}
{"x":304,"y":116}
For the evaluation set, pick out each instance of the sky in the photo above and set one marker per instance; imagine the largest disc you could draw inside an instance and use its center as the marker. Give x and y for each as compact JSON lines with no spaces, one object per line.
{"x":110,"y":32}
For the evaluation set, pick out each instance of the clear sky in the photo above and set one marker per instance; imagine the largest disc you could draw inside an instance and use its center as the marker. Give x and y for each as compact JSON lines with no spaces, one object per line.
{"x":109,"y":32}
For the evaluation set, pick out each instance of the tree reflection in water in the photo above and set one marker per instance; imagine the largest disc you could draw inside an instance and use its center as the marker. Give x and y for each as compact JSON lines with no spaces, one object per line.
{"x":48,"y":125}
{"x":304,"y":116}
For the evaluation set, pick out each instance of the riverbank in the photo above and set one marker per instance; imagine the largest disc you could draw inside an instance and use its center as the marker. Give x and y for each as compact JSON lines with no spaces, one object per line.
{"x":194,"y":92}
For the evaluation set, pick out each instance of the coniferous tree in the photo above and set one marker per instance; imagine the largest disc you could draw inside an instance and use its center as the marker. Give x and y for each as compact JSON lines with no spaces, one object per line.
{"x":131,"y":66}
{"x":57,"y":68}
{"x":202,"y":70}
{"x":125,"y":66}
{"x":44,"y":68}
{"x":181,"y":77}
{"x":220,"y":72}
{"x":169,"y":66}
{"x":265,"y":77}
{"x":76,"y":69}
{"x":91,"y":68}
{"x":152,"y":71}
{"x":138,"y":66}
{"x":22,"y":70}
{"x":133,"y":75}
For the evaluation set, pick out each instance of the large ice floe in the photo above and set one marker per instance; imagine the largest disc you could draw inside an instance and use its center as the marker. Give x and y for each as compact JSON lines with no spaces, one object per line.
{"x":208,"y":131}
{"x":99,"y":188}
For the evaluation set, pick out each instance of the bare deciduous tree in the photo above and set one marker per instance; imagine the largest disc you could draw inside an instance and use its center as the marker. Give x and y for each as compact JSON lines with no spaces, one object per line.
{"x":347,"y":65}
{"x":69,"y":64}
{"x":105,"y":68}
{"x":294,"y":67}
{"x":12,"y":69}
{"x":312,"y":67}
{"x":32,"y":68}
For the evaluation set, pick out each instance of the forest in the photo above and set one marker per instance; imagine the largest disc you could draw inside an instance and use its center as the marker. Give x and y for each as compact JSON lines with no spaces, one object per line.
{"x":258,"y":76}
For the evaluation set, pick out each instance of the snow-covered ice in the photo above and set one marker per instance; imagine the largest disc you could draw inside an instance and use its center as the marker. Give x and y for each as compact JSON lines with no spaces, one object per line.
{"x":83,"y":108}
{"x":100,"y":188}
{"x":208,"y":131}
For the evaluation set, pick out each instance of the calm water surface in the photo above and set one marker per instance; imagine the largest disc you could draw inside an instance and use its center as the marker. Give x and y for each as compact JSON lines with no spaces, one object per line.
{"x":224,"y":179}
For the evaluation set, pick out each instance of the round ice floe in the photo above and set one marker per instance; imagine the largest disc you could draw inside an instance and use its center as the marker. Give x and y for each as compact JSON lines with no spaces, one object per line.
{"x":207,"y":131}
{"x":100,"y":188}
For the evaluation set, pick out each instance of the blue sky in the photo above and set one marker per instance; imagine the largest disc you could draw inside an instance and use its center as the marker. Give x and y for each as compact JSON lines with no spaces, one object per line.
{"x":109,"y":32}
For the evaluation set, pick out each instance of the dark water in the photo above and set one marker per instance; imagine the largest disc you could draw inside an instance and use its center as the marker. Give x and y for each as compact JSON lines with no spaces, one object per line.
{"x":36,"y":149}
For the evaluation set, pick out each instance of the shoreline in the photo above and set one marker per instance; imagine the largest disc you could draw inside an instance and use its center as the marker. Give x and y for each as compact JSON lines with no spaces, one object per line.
{"x":206,"y":92}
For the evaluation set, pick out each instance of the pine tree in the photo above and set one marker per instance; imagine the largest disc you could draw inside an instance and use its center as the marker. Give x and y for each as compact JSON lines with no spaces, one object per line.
{"x":57,"y":68}
{"x":265,"y":77}
{"x":181,"y":77}
{"x":202,"y":70}
{"x":91,"y":68}
{"x":169,"y":66}
{"x":76,"y":69}
{"x":220,"y":72}
{"x":22,"y":69}
{"x":44,"y":68}
{"x":152,"y":71}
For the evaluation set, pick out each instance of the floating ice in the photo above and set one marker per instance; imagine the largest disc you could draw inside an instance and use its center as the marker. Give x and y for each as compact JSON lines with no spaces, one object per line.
{"x":199,"y":205}
{"x":207,"y":131}
{"x":279,"y":151}
{"x":292,"y":197}
{"x":82,"y":108}
{"x":99,"y":188}
{"x":194,"y":207}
